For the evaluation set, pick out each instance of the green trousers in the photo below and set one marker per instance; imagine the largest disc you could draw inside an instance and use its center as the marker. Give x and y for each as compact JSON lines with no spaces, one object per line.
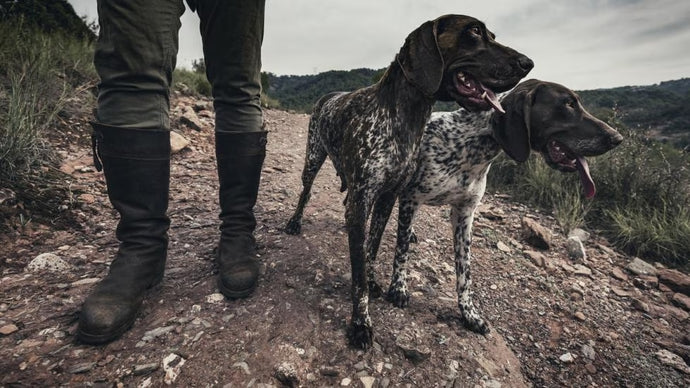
{"x":136,"y":54}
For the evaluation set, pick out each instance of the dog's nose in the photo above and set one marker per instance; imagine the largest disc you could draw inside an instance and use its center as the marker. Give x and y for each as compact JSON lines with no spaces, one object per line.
{"x":616,"y":139}
{"x":525,"y":63}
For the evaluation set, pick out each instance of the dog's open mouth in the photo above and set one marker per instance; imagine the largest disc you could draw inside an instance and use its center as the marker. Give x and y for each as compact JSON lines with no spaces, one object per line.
{"x":567,"y":160}
{"x":478,"y":94}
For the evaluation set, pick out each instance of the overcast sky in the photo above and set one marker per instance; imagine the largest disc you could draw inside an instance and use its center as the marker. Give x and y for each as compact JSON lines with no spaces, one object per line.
{"x":584,"y":44}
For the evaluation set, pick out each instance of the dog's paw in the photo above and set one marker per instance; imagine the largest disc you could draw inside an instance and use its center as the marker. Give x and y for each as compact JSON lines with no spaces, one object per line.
{"x":375,"y":291}
{"x":293,"y":227}
{"x":413,"y":238}
{"x":361,"y":335}
{"x":399,"y":297}
{"x":475,"y":324}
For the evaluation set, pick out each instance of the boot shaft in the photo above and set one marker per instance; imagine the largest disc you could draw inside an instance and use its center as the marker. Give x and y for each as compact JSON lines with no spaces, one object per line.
{"x":240,"y":157}
{"x":136,"y":165}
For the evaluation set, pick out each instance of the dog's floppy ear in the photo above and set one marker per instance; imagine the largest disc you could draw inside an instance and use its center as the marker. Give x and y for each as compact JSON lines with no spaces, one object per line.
{"x":512,"y":129}
{"x":420,"y":58}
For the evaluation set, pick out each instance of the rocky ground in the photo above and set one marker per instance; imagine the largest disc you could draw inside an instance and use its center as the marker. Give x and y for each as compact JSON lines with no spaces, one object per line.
{"x":557,"y":319}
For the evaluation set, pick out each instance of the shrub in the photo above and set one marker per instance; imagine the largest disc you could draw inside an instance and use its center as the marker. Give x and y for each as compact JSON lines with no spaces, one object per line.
{"x":191,"y":81}
{"x":38,"y":73}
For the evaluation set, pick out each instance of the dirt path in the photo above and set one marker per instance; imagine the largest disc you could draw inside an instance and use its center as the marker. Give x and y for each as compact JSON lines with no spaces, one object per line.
{"x":556,"y":325}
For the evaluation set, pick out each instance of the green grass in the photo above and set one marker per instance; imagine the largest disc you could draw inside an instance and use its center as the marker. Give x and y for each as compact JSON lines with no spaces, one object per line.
{"x":38,"y":73}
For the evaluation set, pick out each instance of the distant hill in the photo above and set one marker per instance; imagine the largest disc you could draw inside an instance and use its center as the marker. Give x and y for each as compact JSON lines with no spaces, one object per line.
{"x":663,"y":110}
{"x":300,"y":92}
{"x":47,"y":15}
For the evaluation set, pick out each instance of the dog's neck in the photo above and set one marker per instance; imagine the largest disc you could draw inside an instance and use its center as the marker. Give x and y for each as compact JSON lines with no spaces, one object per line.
{"x":404,"y":102}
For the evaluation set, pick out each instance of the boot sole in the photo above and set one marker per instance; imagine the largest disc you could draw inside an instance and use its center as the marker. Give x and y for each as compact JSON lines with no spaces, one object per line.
{"x":235,"y":294}
{"x":100,"y":339}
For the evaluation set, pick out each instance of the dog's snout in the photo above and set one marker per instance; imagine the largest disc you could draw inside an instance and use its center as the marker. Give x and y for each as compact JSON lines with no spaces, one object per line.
{"x":525,"y":63}
{"x":616,"y":139}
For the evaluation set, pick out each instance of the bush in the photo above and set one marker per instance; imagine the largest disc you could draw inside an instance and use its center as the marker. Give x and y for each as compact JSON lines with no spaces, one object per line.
{"x":643,"y":193}
{"x":38,"y":73}
{"x":191,"y":81}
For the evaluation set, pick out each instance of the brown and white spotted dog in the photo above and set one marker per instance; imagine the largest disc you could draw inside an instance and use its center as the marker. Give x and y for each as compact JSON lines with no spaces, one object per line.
{"x":372,"y":135}
{"x":456,"y":153}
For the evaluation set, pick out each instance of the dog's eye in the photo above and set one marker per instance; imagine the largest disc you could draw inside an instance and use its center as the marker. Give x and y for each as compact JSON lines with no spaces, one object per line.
{"x":476,"y":31}
{"x":570,"y":104}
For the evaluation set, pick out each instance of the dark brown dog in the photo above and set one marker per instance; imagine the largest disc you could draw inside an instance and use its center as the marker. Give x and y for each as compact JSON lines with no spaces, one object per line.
{"x":372,"y":135}
{"x":456,"y":153}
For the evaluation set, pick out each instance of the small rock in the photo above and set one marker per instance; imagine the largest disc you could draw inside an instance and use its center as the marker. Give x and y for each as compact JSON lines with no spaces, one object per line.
{"x":640,"y":305}
{"x":588,"y":352}
{"x":581,"y":234}
{"x":580,"y":316}
{"x":8,"y":329}
{"x":367,"y":381}
{"x":646,"y":282}
{"x":177,"y":142}
{"x":675,"y":280}
{"x":617,"y":273}
{"x":190,"y":119}
{"x":582,"y":270}
{"x":537,"y":258}
{"x":360,"y":366}
{"x":620,"y":292}
{"x":385,"y":382}
{"x":503,"y":247}
{"x":157,"y":332}
{"x":172,"y":365}
{"x":144,"y":369}
{"x":575,"y":248}
{"x":86,"y":198}
{"x":535,"y":234}
{"x":673,"y":360}
{"x":82,"y":368}
{"x":286,"y":374}
{"x":681,"y":300}
{"x":48,"y":262}
{"x":416,"y":354}
{"x":84,"y":282}
{"x":345,"y":382}
{"x":328,"y":371}
{"x":590,"y":368}
{"x":242,"y":365}
{"x":215,"y":298}
{"x":640,"y":267}
{"x":567,"y":358}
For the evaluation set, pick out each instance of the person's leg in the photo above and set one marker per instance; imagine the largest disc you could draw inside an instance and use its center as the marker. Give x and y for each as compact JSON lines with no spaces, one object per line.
{"x":232,"y":33}
{"x":135,"y":57}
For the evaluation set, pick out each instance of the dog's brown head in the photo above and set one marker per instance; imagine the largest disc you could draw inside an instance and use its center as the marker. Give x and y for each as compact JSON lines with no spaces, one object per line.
{"x":455,"y":57}
{"x":549,"y":118}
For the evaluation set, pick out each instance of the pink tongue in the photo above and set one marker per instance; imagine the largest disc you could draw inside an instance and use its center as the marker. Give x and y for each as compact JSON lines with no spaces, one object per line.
{"x":585,"y":177}
{"x":490,"y":97}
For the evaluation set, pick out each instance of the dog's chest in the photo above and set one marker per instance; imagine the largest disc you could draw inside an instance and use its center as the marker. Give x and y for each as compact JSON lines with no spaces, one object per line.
{"x":455,"y":156}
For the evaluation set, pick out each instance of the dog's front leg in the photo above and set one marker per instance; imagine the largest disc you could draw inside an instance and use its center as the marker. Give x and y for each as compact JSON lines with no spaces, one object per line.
{"x":462,"y":218}
{"x":397,"y":292}
{"x":379,"y":219}
{"x":360,"y":332}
